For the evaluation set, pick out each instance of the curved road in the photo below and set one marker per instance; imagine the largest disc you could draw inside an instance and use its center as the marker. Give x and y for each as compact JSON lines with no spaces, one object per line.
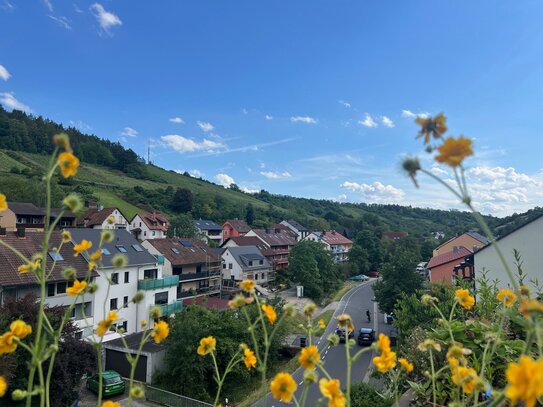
{"x":355,"y":303}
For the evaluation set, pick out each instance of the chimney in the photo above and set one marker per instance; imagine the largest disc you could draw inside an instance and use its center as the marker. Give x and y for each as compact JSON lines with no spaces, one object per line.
{"x":100,"y":207}
{"x":2,"y":231}
{"x":456,"y":249}
{"x":21,"y":232}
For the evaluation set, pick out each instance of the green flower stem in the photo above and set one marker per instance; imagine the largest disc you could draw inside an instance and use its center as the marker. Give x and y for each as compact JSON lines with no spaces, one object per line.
{"x":349,"y":366}
{"x":220,"y":380}
{"x":434,"y":392}
{"x":305,"y":390}
{"x":98,"y":346}
{"x":133,"y":362}
{"x":323,"y":370}
{"x":266,"y":345}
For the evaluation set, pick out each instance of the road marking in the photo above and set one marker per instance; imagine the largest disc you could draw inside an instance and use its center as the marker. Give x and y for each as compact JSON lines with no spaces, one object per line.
{"x":302,"y":382}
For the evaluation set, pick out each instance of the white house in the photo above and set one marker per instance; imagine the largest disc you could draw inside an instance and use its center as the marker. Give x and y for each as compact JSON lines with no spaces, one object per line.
{"x":209,"y":229}
{"x":527,"y":240}
{"x":335,"y":243}
{"x":301,"y":231}
{"x":99,"y":218}
{"x":245,"y":263}
{"x":142,"y":272}
{"x":149,"y":226}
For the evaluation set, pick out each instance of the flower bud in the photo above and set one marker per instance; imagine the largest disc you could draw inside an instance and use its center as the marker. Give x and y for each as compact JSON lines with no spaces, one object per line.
{"x":310,"y":376}
{"x":18,"y":395}
{"x":138,"y":297}
{"x":136,"y":392}
{"x":107,"y":235}
{"x":68,"y":273}
{"x":309,"y":310}
{"x":428,"y":299}
{"x":333,"y":340}
{"x":119,"y":261}
{"x":110,"y":220}
{"x":289,"y":311}
{"x":73,"y":203}
{"x":237,"y":302}
{"x":66,"y":236}
{"x":155,"y":312}
{"x":92,"y":288}
{"x":62,"y":140}
{"x":143,"y":323}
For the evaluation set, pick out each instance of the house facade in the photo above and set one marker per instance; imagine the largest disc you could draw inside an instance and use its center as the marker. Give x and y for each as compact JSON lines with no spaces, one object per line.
{"x":142,"y":272}
{"x":470,"y":240}
{"x":527,"y":241}
{"x":25,"y":215}
{"x":196,"y":265}
{"x":278,"y":244}
{"x":103,"y":218}
{"x":15,"y":285}
{"x":210,"y":230}
{"x":301,"y":231}
{"x":441,"y":268}
{"x":245,"y":263}
{"x":337,"y":244}
{"x":149,"y":226}
{"x":234,"y":228}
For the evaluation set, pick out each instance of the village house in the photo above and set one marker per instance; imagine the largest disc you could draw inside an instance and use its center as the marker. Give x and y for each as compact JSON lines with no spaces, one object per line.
{"x":149,"y":226}
{"x":278,"y":244}
{"x":244,"y":241}
{"x":210,"y":230}
{"x":234,"y":228}
{"x":441,"y":268}
{"x":25,"y":215}
{"x":300,"y":230}
{"x":16,"y":286}
{"x":245,"y":263}
{"x":142,"y":272}
{"x":470,"y":240}
{"x":527,"y":241}
{"x":193,"y":262}
{"x":103,"y":218}
{"x":337,"y":244}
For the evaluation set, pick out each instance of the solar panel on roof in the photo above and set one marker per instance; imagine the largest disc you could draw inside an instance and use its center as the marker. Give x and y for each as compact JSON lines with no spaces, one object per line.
{"x":186,"y":243}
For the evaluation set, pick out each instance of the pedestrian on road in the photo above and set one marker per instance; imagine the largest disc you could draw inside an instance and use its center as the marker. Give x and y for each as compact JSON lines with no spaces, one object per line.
{"x":368,"y":315}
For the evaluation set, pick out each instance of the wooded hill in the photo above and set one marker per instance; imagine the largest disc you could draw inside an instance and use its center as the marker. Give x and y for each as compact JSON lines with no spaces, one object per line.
{"x":116,"y":176}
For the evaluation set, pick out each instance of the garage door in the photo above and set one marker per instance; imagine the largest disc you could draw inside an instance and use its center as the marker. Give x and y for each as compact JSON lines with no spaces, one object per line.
{"x":116,"y":360}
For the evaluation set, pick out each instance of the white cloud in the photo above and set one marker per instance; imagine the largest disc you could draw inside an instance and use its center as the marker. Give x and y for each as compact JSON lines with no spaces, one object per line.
{"x":129,"y":132}
{"x":339,"y":198}
{"x":80,"y":125}
{"x":205,"y":126}
{"x":193,"y":173}
{"x":268,"y":117}
{"x":368,"y":121}
{"x":177,"y":120}
{"x":4,"y":74}
{"x":387,"y":122}
{"x":346,"y":104}
{"x":275,"y":175}
{"x":105,"y":18}
{"x":303,"y":119}
{"x":61,"y":20}
{"x":10,"y":102}
{"x":408,"y":114}
{"x":48,"y":5}
{"x":77,"y":9}
{"x":249,"y":190}
{"x":376,"y":192}
{"x":224,"y":179}
{"x":244,"y":111}
{"x":185,"y":145}
{"x":6,"y":5}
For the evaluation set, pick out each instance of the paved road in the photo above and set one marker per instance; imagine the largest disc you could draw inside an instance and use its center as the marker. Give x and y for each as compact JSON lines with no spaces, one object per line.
{"x":354,"y":303}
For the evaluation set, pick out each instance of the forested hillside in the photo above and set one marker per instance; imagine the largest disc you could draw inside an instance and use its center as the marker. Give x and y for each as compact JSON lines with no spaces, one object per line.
{"x":118,"y":177}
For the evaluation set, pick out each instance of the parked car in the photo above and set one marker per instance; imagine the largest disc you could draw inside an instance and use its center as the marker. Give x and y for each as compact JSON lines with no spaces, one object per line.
{"x":360,"y":277}
{"x":341,"y":333}
{"x":373,"y":274}
{"x":366,"y":336}
{"x":393,"y":335}
{"x":112,"y":383}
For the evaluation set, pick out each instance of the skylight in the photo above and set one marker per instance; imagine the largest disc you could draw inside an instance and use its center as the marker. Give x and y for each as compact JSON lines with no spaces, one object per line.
{"x":186,"y":243}
{"x":121,"y":248}
{"x":56,"y":256}
{"x":105,"y":251}
{"x":175,"y":250}
{"x":137,"y":247}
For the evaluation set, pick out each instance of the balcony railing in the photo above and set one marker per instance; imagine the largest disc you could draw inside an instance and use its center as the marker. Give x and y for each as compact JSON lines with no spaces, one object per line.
{"x":169,"y":309}
{"x":198,"y":291}
{"x":199,"y":276}
{"x":157,"y":283}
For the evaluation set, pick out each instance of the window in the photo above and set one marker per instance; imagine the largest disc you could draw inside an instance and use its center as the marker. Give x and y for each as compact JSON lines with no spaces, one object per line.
{"x":144,"y":233}
{"x":186,"y":243}
{"x":61,"y":288}
{"x":125,"y":301}
{"x":113,"y":304}
{"x":175,"y":250}
{"x":115,"y":278}
{"x":224,"y":265}
{"x":56,"y":256}
{"x":105,"y":251}
{"x":250,"y":263}
{"x":36,"y":221}
{"x":140,"y":224}
{"x":137,"y":247}
{"x":78,"y":335}
{"x":121,"y":248}
{"x":51,"y":290}
{"x":161,"y":298}
{"x":153,"y":273}
{"x":125,"y":326}
{"x":72,"y":313}
{"x":261,"y":262}
{"x":230,"y":266}
{"x":153,"y":232}
{"x":126,"y":277}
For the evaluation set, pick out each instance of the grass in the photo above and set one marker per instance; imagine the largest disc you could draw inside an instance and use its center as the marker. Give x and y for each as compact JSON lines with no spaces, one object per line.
{"x":109,"y":199}
{"x":347,"y":285}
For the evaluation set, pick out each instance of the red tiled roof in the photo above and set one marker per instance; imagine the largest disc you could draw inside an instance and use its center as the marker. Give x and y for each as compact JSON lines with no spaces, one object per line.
{"x":247,"y":241}
{"x":154,"y":221}
{"x":273,"y":238}
{"x":332,"y":237}
{"x":448,"y":257}
{"x":238,"y":224}
{"x":208,"y":302}
{"x":95,"y":217}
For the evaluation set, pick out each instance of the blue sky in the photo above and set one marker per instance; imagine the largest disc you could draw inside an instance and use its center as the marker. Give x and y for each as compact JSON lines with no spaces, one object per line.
{"x":305,"y":98}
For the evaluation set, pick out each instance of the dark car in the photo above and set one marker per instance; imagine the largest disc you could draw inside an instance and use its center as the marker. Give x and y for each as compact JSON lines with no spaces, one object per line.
{"x":374,"y":274}
{"x":341,"y":333}
{"x":393,"y":335}
{"x":112,"y":383}
{"x":366,"y":336}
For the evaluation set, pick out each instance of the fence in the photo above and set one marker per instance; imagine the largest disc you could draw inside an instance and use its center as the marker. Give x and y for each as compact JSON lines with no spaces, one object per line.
{"x":169,"y":399}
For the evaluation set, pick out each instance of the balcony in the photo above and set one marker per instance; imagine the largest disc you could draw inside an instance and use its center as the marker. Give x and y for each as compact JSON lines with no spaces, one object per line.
{"x":158,"y":283}
{"x":169,"y":309}
{"x":199,"y":291}
{"x":199,"y":276}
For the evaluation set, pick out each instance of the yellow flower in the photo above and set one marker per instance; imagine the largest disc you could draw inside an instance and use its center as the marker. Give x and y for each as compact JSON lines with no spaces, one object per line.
{"x":383,"y":343}
{"x":161,"y":330}
{"x":507,"y":297}
{"x":7,"y":343}
{"x":428,"y":344}
{"x":237,"y":302}
{"x":249,"y":358}
{"x":112,"y":316}
{"x":322,"y":324}
{"x":103,"y":326}
{"x":68,"y":164}
{"x":92,"y":265}
{"x":463,"y":376}
{"x":283,"y":387}
{"x":111,"y":220}
{"x":453,"y":151}
{"x":464,"y":299}
{"x":3,"y":386}
{"x":432,"y":127}
{"x":25,"y":268}
{"x":81,"y":247}
{"x":345,"y":320}
{"x":207,"y":345}
{"x":525,"y":381}
{"x":66,"y":236}
{"x":96,"y":256}
{"x":385,"y":362}
{"x":20,"y":329}
{"x":270,"y":313}
{"x":309,"y":357}
{"x":248,"y":286}
{"x":530,"y":306}
{"x":406,"y":365}
{"x":143,"y":323}
{"x":110,"y":403}
{"x":3,"y":203}
{"x":76,"y":288}
{"x":331,"y":389}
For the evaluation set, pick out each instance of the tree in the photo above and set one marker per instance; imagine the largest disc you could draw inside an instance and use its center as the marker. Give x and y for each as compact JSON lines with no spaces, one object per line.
{"x":182,"y":200}
{"x":182,"y":226}
{"x":250,"y":214}
{"x":398,"y":277}
{"x":372,"y":245}
{"x":359,"y":260}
